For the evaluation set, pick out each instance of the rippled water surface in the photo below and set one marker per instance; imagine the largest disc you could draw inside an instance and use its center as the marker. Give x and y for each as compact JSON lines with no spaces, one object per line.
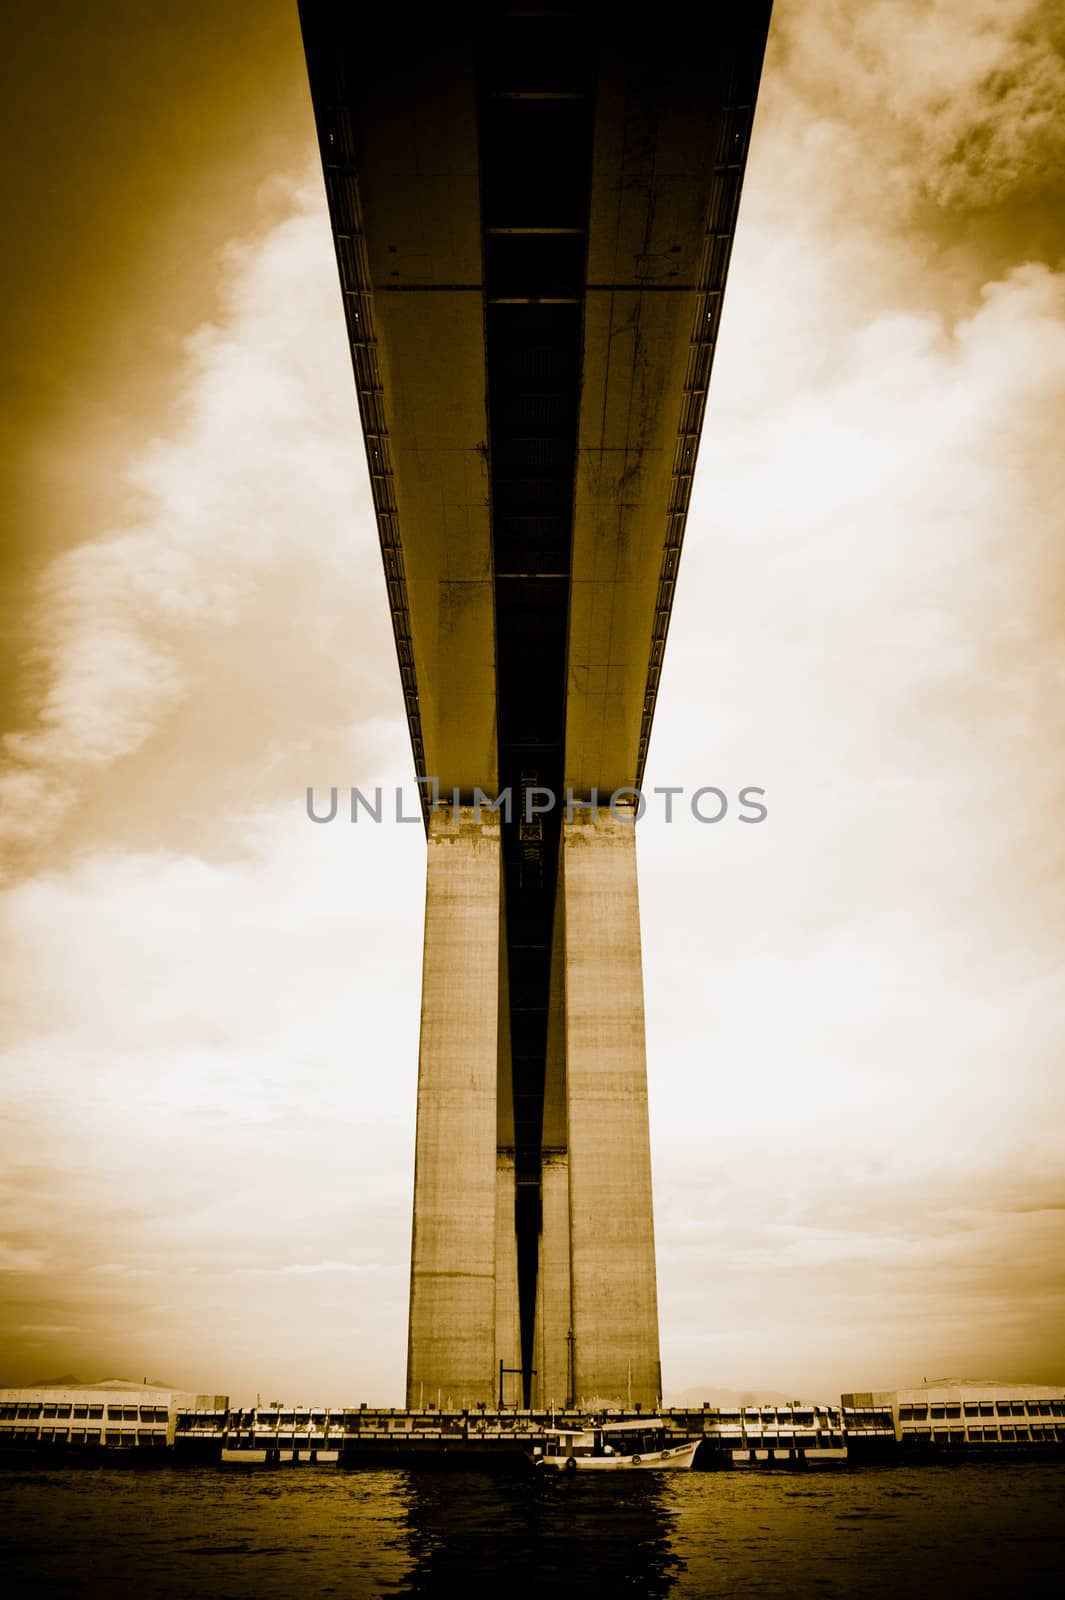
{"x":973,"y":1530}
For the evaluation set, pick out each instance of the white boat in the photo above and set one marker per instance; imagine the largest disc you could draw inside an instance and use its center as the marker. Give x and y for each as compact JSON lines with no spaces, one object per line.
{"x":614,"y":1447}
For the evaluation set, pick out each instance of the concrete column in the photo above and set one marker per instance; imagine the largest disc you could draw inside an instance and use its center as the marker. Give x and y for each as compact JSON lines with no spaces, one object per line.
{"x":508,"y":1328}
{"x":452,"y":1332}
{"x":615,"y":1298}
{"x":554,"y":1311}
{"x":554,"y":1301}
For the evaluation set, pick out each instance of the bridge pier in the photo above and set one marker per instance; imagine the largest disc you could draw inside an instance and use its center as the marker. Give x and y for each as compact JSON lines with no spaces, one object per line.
{"x":533,"y":214}
{"x":615,"y":1297}
{"x":596,"y":1331}
{"x":452,"y":1328}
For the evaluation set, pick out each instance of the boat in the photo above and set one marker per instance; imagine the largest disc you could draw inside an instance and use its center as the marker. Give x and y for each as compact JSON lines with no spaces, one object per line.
{"x":638,"y":1446}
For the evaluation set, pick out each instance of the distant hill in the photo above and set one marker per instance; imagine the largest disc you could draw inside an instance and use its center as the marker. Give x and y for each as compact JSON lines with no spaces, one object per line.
{"x":726,"y":1398}
{"x":68,"y":1381}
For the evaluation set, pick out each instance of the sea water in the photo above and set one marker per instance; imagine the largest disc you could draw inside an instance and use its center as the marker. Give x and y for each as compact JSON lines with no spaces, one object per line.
{"x":973,"y":1530}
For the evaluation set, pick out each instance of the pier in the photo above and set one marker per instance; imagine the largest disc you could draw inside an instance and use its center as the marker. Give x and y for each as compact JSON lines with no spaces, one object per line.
{"x":133,"y":1425}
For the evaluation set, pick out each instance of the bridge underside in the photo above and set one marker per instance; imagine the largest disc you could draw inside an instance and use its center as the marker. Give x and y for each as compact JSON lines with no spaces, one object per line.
{"x":533,"y":213}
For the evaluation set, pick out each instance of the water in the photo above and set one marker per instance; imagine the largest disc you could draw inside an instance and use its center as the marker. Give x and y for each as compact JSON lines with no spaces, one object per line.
{"x":979,"y":1529}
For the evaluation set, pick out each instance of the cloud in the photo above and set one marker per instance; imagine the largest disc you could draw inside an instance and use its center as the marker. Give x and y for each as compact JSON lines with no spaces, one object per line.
{"x":966,"y":96}
{"x":210,"y":1007}
{"x":202,"y":1056}
{"x":260,"y":469}
{"x":120,"y":1269}
{"x":302,"y":1268}
{"x":13,"y":1259}
{"x":853,"y":1033}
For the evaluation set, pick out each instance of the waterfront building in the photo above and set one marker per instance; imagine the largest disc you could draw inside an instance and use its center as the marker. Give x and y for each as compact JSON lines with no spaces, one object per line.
{"x":957,"y":1413}
{"x":115,"y":1415}
{"x":134,"y":1422}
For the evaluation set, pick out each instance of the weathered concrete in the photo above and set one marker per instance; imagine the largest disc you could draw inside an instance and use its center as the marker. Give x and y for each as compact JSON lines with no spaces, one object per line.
{"x":554,"y":1307}
{"x":596,"y":1276}
{"x":452,"y":1335}
{"x":651,"y":177}
{"x":508,"y":1336}
{"x":402,"y":174}
{"x":536,"y":207}
{"x":615,"y":1299}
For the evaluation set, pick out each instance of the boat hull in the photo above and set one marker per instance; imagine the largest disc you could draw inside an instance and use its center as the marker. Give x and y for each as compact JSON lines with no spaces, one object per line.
{"x":675,"y":1458}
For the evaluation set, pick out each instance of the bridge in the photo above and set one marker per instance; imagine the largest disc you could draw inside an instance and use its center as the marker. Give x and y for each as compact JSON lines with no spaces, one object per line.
{"x":533,"y":213}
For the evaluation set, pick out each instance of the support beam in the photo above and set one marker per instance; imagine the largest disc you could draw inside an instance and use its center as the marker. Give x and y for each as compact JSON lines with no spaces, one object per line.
{"x":533,"y":212}
{"x":554,"y":1307}
{"x":615,"y":1297}
{"x":452,"y":1333}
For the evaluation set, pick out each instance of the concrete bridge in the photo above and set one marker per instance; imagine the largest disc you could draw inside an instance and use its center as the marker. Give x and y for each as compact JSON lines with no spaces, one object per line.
{"x":533,"y":213}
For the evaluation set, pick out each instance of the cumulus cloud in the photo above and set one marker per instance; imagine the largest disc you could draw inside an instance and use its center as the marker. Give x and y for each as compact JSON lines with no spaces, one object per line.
{"x":260,"y":471}
{"x":210,"y":1006}
{"x":212,"y":1065}
{"x":966,"y":96}
{"x":853,"y":1049}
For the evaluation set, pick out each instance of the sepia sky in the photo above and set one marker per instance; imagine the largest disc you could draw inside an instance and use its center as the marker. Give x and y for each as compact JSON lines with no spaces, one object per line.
{"x":209,"y":1007}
